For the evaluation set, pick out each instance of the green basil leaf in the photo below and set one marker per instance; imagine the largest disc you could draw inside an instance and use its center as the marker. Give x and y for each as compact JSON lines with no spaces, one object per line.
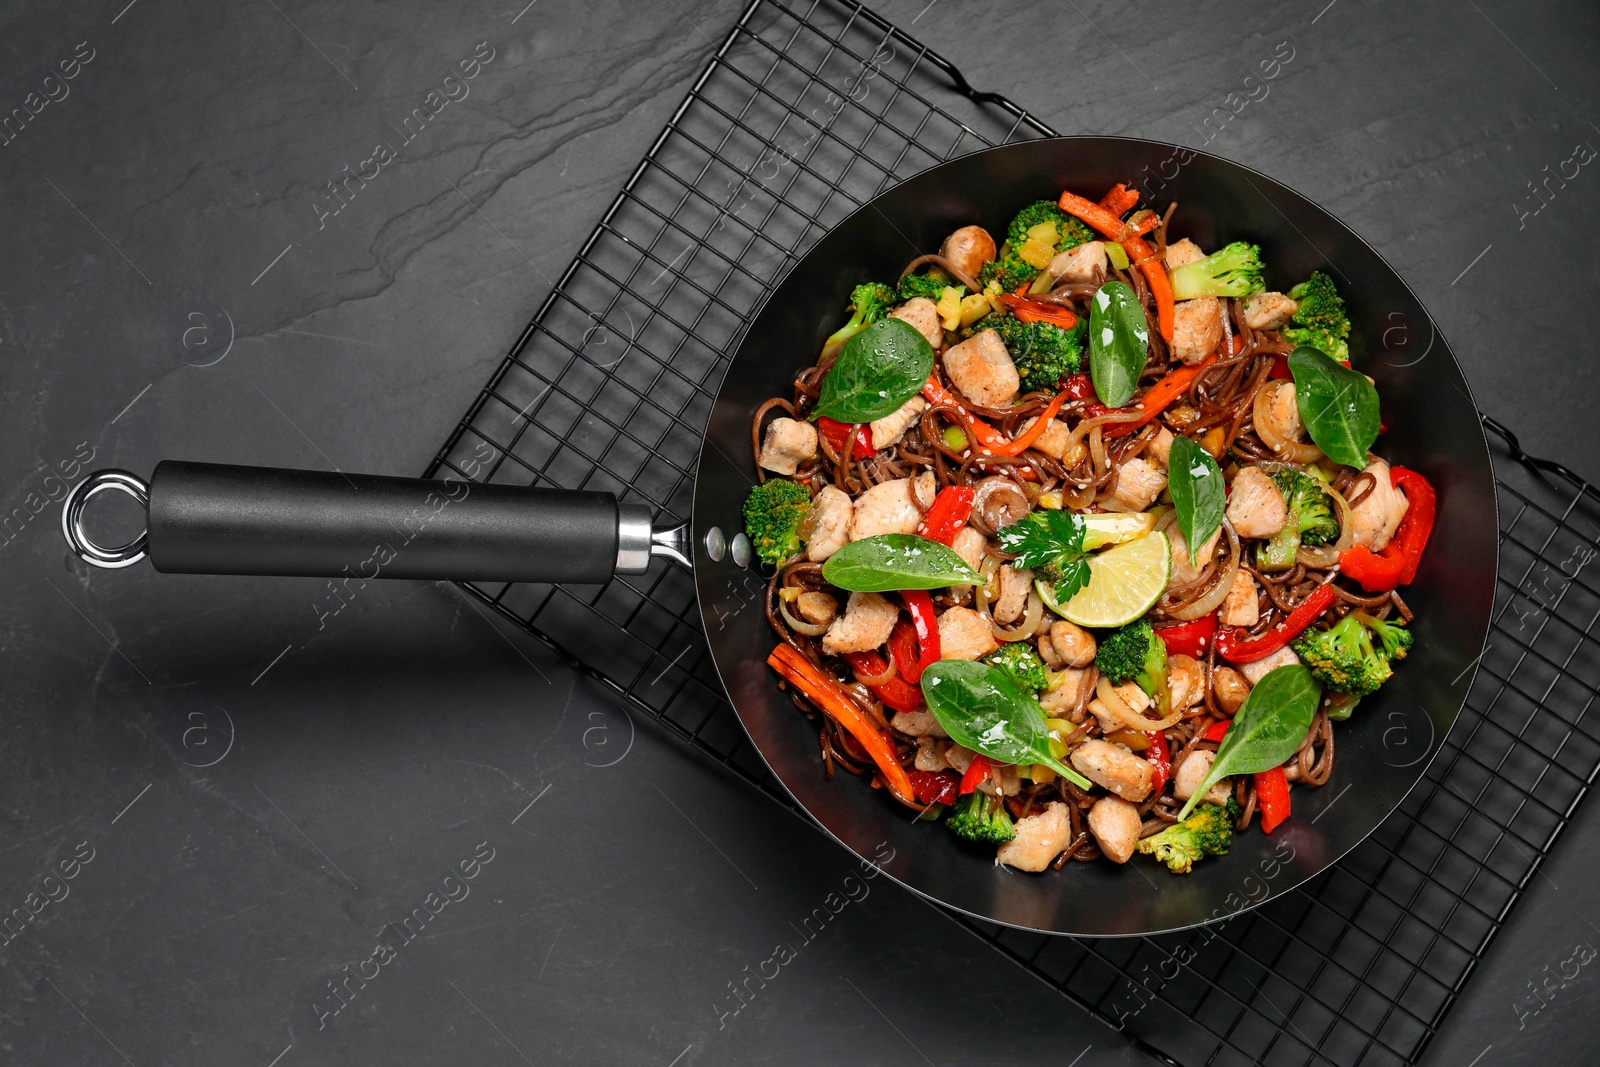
{"x":878,"y":370}
{"x":1119,"y":343}
{"x":1338,"y":405}
{"x":1268,"y":728}
{"x":1199,"y":493}
{"x":888,"y":562}
{"x":983,"y":709}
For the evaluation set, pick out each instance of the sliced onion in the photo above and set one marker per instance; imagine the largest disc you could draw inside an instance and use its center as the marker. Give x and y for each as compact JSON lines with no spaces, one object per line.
{"x":1347,"y":521}
{"x":1267,"y":429}
{"x":1213,"y":599}
{"x":876,"y":679}
{"x":989,"y":591}
{"x":1024,"y":630}
{"x":1119,"y":710}
{"x":809,"y":629}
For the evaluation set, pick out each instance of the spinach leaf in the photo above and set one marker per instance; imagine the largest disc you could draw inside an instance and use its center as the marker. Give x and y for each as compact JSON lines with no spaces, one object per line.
{"x":897,"y":561}
{"x":1267,"y":730}
{"x":879,"y":369}
{"x":1119,"y":342}
{"x":982,"y":708}
{"x":1198,"y":491}
{"x":1050,"y":543}
{"x":1338,"y":405}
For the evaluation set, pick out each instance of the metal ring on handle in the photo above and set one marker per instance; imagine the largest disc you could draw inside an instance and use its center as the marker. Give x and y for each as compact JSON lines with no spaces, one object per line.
{"x":72,"y":519}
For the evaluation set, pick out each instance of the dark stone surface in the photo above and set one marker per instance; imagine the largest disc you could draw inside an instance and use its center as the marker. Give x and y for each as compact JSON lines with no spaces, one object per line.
{"x":264,"y":786}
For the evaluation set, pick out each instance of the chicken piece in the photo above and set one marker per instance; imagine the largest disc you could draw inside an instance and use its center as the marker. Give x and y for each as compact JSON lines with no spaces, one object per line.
{"x":1040,"y":839}
{"x":964,"y":634}
{"x":1184,"y":570}
{"x":1072,"y":643}
{"x":1136,"y":699}
{"x":1196,"y":328}
{"x":1267,"y":664}
{"x":1014,"y":588}
{"x":1003,"y":780}
{"x":1243,"y":606}
{"x":887,"y":431}
{"x":970,"y":545}
{"x":981,"y":368}
{"x":1284,"y":411}
{"x":864,"y":626}
{"x":1084,"y":263}
{"x":1102,"y":715}
{"x":1138,"y":485}
{"x":968,"y":249}
{"x":888,"y":507}
{"x":789,"y":445}
{"x":919,"y":723}
{"x":1268,"y":311}
{"x":1187,"y":776}
{"x":1115,"y":825}
{"x":1113,"y":767}
{"x":1064,"y":697}
{"x":816,"y":608}
{"x":1183,"y":252}
{"x":925,"y":489}
{"x":1053,"y":441}
{"x":923,"y":315}
{"x":959,"y":757}
{"x":1255,"y":507}
{"x":1378,"y":515}
{"x":1230,"y":689}
{"x":1160,"y":446}
{"x":1186,"y":680}
{"x":930,"y":754}
{"x":826,"y":526}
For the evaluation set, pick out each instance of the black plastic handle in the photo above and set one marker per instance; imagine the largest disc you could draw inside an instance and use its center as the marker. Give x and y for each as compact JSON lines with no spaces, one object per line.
{"x":208,"y":518}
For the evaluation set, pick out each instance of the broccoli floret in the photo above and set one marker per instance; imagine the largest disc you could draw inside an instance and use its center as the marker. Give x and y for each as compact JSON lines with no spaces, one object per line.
{"x":1044,"y":353}
{"x":1010,"y":270}
{"x":868,"y":304}
{"x":1234,"y":270}
{"x":982,"y":818}
{"x":1207,"y":832}
{"x":1022,"y":663}
{"x":1342,"y":657}
{"x":1135,"y":653}
{"x":1320,"y":319}
{"x":1069,"y":231}
{"x":772,"y":514}
{"x":931,"y":285}
{"x":1310,"y":522}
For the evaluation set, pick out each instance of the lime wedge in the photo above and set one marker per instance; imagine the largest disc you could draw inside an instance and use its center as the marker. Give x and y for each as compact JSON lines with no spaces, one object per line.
{"x":1124,"y":583}
{"x":1113,"y":528}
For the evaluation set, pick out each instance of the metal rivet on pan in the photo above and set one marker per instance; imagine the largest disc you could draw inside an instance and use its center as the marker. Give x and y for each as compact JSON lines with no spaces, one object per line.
{"x":716,"y":544}
{"x":740,"y":550}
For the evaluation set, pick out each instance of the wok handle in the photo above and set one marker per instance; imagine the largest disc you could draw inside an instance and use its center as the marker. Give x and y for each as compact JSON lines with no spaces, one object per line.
{"x":208,"y":518}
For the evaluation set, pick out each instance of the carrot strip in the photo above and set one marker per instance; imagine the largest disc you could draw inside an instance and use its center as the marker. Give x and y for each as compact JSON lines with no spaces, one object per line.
{"x":826,"y":694}
{"x":1160,"y":395}
{"x":1119,"y":199}
{"x":986,"y":437}
{"x":1139,"y":251}
{"x":1038,"y":311}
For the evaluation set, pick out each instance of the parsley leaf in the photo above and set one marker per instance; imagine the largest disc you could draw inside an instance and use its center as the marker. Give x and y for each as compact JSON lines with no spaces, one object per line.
{"x":1049,"y":543}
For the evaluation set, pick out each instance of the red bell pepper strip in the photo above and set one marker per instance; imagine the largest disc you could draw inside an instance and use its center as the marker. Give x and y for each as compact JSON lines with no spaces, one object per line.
{"x":1159,"y":396}
{"x":1396,"y":565}
{"x":1232,"y":646}
{"x":977,"y":771}
{"x":1080,"y":387}
{"x":838,"y":433}
{"x":935,"y":787}
{"x":925,"y":621}
{"x":895,"y":693}
{"x":826,"y":694}
{"x":1140,"y":254}
{"x":1189,"y":638}
{"x":1272,"y":797}
{"x":986,"y":437}
{"x":1217,"y":730}
{"x":903,"y":650}
{"x":1160,"y":757}
{"x":948,"y":514}
{"x":1280,"y":368}
{"x":1119,"y":199}
{"x":1038,"y":311}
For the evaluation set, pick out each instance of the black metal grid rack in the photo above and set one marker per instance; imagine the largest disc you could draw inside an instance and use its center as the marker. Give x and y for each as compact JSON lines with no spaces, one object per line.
{"x":610,"y":387}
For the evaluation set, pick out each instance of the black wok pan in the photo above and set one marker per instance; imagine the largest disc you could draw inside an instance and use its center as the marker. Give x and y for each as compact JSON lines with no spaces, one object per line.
{"x":244,"y":520}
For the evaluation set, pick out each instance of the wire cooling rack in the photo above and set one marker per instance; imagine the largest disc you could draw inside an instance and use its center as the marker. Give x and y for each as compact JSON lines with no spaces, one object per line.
{"x":610,"y":387}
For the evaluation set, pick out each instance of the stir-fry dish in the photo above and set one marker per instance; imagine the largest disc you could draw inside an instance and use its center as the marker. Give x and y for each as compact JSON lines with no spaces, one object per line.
{"x":1079,"y":543}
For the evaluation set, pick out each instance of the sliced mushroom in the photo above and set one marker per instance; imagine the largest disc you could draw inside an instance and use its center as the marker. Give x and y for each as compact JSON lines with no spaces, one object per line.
{"x":997,"y":503}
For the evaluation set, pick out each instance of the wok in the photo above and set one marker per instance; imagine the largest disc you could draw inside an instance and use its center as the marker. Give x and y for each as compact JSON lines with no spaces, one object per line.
{"x":204,"y":518}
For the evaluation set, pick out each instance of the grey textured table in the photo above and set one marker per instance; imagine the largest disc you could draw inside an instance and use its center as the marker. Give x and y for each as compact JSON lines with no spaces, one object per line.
{"x":249,"y":787}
